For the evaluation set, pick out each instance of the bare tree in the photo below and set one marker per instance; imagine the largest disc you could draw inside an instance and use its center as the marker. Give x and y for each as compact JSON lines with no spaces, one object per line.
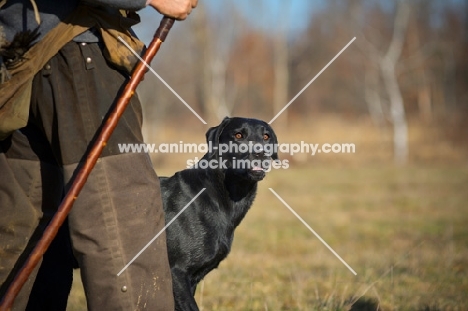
{"x":423,"y":87}
{"x":202,"y":54}
{"x":281,"y":66}
{"x":214,"y":39}
{"x":386,"y":62}
{"x":372,"y":95}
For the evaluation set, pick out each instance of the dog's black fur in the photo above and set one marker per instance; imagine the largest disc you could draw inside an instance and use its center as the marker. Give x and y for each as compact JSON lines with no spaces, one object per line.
{"x":201,"y":237}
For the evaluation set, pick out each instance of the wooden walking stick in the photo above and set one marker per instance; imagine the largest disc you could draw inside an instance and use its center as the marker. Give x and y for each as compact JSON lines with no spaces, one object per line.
{"x":91,"y":158}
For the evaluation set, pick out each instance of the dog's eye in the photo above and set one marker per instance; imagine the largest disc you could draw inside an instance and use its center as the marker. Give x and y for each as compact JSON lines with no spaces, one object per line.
{"x":266,"y":136}
{"x":238,"y":135}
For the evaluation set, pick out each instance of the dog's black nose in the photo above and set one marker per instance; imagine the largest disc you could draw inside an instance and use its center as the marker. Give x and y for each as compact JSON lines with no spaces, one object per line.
{"x":258,"y":150}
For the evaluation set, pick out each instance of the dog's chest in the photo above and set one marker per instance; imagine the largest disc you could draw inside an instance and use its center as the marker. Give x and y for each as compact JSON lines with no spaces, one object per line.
{"x":223,"y":233}
{"x":215,"y":251}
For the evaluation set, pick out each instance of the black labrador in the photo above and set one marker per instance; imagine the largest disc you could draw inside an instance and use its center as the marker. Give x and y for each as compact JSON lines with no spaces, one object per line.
{"x":201,"y":237}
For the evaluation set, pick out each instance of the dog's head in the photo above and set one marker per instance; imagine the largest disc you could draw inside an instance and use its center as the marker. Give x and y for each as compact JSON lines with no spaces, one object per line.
{"x":244,"y":146}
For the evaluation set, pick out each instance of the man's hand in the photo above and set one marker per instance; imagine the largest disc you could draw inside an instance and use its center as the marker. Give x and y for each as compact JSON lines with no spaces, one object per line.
{"x":178,"y":9}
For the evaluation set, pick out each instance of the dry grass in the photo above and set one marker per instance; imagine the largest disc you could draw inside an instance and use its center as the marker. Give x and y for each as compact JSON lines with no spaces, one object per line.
{"x":404,"y":230}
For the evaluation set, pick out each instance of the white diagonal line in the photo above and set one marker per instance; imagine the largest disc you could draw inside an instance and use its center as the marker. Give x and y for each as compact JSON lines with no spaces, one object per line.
{"x":312,"y":230}
{"x":308,"y":84}
{"x":160,"y":232}
{"x":162,"y":80}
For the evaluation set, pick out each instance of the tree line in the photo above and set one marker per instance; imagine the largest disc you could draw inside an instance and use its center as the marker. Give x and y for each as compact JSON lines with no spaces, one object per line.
{"x":408,"y":62}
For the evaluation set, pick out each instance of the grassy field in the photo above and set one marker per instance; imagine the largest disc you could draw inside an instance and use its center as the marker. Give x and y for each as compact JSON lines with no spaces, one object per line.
{"x":403,"y":230}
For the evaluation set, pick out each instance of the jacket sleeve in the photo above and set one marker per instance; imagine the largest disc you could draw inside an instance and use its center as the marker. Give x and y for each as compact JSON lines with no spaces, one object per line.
{"x":131,"y":5}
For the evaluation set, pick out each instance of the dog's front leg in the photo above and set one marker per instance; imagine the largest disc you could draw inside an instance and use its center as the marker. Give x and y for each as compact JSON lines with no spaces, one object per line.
{"x":184,"y":300}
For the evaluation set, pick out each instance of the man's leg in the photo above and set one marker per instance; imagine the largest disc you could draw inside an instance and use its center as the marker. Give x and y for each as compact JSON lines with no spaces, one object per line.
{"x":119,"y":210}
{"x":30,"y":191}
{"x":55,"y":276}
{"x":116,"y":215}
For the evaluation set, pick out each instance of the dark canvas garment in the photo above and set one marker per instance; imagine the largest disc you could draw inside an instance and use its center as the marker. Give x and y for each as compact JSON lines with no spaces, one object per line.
{"x":119,"y":210}
{"x":15,"y":93}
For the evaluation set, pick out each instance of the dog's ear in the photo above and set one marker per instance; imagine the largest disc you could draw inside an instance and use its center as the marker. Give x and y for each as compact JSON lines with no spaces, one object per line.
{"x":274,"y":141}
{"x":212,"y":137}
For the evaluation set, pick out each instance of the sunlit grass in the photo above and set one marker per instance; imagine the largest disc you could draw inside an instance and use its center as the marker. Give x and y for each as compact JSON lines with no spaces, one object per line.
{"x":407,"y":243}
{"x":404,"y":231}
